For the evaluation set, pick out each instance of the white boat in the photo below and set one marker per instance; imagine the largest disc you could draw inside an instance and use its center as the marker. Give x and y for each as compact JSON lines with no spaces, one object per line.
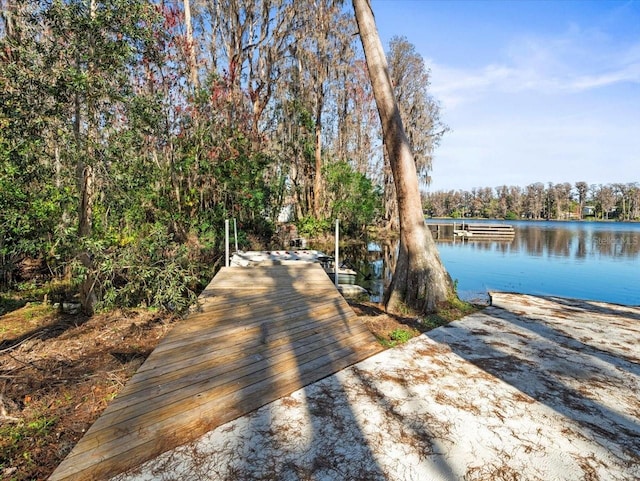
{"x":345,"y":275}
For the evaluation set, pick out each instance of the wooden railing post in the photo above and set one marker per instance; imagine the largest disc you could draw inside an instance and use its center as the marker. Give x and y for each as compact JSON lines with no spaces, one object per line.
{"x":337,"y":256}
{"x":226,"y":242}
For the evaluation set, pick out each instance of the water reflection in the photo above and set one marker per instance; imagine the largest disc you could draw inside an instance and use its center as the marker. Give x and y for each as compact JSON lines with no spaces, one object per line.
{"x":575,"y":240}
{"x":374,"y":264}
{"x":598,"y":261}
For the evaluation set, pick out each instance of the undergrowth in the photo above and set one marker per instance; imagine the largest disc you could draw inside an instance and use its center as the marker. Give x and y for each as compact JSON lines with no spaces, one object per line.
{"x":394,"y":329}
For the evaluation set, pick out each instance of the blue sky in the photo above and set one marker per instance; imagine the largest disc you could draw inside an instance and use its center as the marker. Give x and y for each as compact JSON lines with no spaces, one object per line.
{"x":538,"y":91}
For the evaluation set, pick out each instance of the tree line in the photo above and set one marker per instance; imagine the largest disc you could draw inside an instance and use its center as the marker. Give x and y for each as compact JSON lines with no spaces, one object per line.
{"x":130,"y":129}
{"x":562,"y":201}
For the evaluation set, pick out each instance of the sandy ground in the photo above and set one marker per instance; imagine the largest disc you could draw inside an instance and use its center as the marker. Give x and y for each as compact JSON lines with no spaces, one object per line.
{"x":528,"y":389}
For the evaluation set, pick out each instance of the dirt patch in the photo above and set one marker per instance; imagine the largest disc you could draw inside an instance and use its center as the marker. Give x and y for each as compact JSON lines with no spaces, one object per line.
{"x":380,"y":323}
{"x":58,"y":373}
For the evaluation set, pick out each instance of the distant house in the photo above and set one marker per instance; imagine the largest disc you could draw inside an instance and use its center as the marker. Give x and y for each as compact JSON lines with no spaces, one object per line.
{"x":588,"y":211}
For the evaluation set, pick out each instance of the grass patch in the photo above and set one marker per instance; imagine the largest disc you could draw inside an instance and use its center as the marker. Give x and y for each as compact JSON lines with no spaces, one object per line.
{"x":19,"y":441}
{"x":400,"y":335}
{"x":28,"y":319}
{"x":447,"y":312}
{"x":394,"y":329}
{"x":396,"y":337}
{"x":36,"y":311}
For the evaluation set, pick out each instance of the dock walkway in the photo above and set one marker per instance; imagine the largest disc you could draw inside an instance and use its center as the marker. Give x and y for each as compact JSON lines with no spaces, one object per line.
{"x":260,"y":334}
{"x":472,"y":232}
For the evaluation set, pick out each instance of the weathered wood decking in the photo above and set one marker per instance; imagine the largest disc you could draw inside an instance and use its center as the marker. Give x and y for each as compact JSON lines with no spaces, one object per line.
{"x":261,"y":333}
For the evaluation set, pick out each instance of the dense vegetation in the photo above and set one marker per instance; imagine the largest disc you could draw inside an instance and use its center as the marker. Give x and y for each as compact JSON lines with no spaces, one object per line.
{"x":129,"y":130}
{"x":555,"y":201}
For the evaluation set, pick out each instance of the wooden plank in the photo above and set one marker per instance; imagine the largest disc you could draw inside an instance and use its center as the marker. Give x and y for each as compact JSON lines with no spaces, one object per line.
{"x":215,"y":342}
{"x":246,"y":348}
{"x":257,"y":331}
{"x":277,"y":277}
{"x":216,"y":381}
{"x":214,"y":412}
{"x":293,"y":367}
{"x":240,"y":318}
{"x":232,"y":358}
{"x":123,"y":434}
{"x":219,"y":346}
{"x":226,"y":298}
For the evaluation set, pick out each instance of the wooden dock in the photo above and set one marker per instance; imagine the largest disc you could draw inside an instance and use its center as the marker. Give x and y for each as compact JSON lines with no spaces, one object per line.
{"x":261,"y":333}
{"x":472,"y":232}
{"x":489,"y":231}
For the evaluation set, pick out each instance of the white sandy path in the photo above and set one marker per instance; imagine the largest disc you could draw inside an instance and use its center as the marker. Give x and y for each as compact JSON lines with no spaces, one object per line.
{"x":537,"y":389}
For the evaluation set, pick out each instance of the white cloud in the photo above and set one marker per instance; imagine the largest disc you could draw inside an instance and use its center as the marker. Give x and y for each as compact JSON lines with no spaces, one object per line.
{"x":574,"y":62}
{"x":629,"y":73}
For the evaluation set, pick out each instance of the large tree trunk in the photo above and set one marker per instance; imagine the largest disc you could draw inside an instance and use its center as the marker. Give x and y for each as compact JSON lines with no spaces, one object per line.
{"x":192,"y":61}
{"x":420,"y":281}
{"x":86,"y":182}
{"x":317,"y":182}
{"x":389,"y":200}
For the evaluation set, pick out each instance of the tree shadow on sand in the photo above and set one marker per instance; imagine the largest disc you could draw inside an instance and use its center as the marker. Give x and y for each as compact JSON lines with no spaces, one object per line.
{"x":595,"y":388}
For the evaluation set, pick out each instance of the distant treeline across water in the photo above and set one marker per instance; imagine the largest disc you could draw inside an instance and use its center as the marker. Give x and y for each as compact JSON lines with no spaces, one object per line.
{"x":539,"y":201}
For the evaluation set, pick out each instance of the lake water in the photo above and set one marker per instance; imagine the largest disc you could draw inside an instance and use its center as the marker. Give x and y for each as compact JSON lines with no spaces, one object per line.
{"x":586,"y":260}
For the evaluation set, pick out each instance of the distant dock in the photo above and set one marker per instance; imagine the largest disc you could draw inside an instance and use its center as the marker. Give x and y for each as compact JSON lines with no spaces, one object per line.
{"x":473,"y":232}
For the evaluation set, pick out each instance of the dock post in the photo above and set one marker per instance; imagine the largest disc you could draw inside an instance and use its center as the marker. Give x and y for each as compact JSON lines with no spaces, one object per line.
{"x":235,"y":233}
{"x":337,"y":254}
{"x":226,"y":242}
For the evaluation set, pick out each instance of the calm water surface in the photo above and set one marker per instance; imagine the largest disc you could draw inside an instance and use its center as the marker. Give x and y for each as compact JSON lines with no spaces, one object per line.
{"x":586,"y":260}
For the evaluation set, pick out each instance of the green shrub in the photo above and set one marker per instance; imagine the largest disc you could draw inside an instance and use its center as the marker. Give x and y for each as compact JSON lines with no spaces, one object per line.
{"x":311,"y":227}
{"x":351,"y":197}
{"x":400,"y":335}
{"x":149,"y":270}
